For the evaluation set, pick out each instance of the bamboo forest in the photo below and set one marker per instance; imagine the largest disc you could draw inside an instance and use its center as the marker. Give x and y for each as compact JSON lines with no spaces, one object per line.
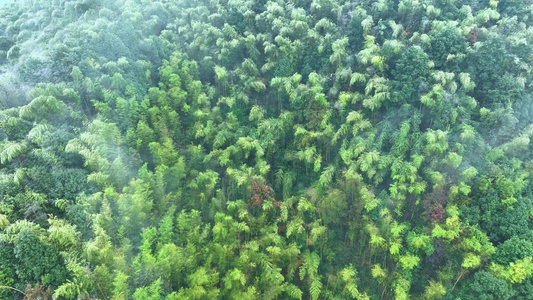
{"x":266,"y":149}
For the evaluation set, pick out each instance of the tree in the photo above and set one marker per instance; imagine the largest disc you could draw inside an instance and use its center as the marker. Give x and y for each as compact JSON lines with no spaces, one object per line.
{"x":266,"y":149}
{"x":410,"y":73}
{"x":444,"y":43}
{"x":150,"y":293}
{"x":483,"y":285}
{"x":38,"y":262}
{"x":512,"y":250}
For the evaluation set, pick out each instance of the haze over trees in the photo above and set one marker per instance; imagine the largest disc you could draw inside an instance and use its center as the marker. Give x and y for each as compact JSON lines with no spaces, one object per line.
{"x":323,"y":149}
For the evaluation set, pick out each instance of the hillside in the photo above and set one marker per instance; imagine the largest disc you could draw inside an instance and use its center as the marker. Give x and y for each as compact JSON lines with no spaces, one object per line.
{"x":254,"y":149}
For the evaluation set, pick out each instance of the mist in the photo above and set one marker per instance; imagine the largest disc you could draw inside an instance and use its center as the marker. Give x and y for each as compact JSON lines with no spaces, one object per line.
{"x":256,"y":149}
{"x":4,"y":2}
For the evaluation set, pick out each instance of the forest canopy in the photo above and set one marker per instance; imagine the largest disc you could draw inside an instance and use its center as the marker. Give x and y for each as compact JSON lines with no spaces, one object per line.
{"x":259,"y":149}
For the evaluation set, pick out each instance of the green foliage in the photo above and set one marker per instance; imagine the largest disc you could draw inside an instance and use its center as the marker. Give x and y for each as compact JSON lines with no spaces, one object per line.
{"x":409,"y":261}
{"x":150,"y":293}
{"x":445,"y":43}
{"x":9,"y":151}
{"x":120,"y":286}
{"x":484,"y":285}
{"x":266,"y":149}
{"x":512,"y":250}
{"x":435,"y":290}
{"x":37,"y":261}
{"x":410,"y":74}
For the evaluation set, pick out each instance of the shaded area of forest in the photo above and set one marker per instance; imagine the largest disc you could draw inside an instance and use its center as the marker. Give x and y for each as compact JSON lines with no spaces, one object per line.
{"x":323,"y":149}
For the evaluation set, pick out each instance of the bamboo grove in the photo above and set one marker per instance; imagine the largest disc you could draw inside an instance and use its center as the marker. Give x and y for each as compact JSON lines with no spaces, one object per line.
{"x":254,"y":149}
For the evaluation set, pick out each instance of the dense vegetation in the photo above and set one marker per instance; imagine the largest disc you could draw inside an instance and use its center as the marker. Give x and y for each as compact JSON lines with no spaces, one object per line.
{"x":254,"y":149}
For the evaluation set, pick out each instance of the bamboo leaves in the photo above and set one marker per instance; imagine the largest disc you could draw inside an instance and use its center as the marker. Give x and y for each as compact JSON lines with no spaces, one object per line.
{"x":309,"y":271}
{"x":380,"y":88}
{"x":11,"y":150}
{"x":348,"y":276}
{"x":339,"y":51}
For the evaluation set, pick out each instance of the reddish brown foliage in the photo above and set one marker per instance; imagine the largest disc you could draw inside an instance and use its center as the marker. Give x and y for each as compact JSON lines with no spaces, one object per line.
{"x":434,"y":204}
{"x":472,"y":36}
{"x":437,"y":212}
{"x":37,"y":292}
{"x":260,"y":194}
{"x":263,"y":80}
